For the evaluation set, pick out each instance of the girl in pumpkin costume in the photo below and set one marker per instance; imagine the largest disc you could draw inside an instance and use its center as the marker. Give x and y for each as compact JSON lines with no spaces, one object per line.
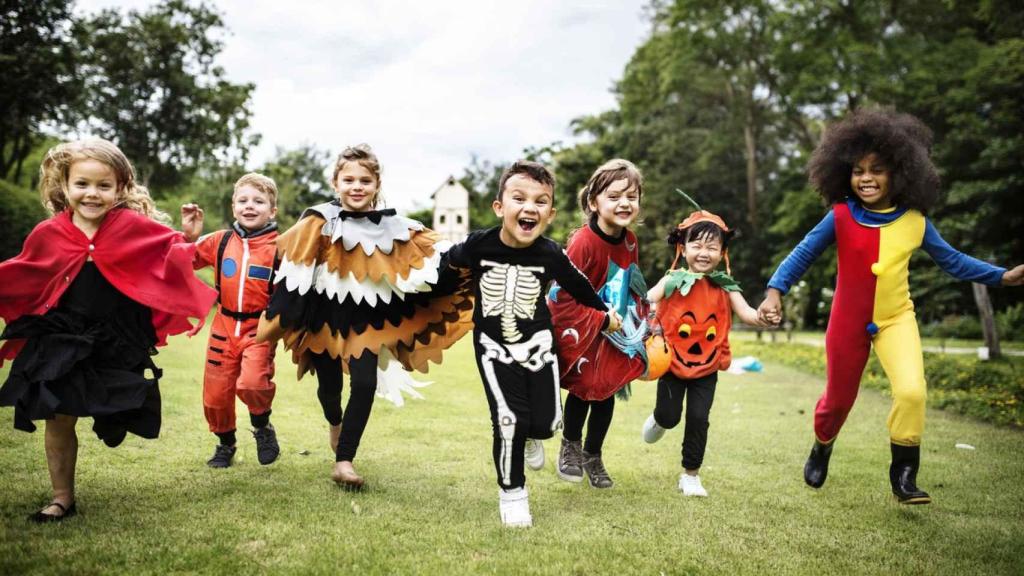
{"x":359,"y":287}
{"x":694,"y":309}
{"x":593,"y":364}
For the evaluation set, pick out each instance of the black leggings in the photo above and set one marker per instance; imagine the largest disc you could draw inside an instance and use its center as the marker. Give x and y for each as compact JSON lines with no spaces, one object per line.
{"x":363,"y":380}
{"x":669,"y":408}
{"x":600,"y":420}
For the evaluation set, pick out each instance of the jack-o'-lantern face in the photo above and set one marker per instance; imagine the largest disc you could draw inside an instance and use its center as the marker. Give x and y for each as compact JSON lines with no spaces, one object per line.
{"x":695,"y":326}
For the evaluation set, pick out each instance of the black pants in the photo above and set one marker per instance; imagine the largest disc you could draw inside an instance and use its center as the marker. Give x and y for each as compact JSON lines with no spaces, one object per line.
{"x":600,"y":412}
{"x":523,"y":396}
{"x":363,"y":380}
{"x":669,"y":409}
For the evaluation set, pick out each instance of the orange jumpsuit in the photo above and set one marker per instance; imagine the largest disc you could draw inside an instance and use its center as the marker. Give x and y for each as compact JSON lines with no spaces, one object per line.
{"x":235,"y":362}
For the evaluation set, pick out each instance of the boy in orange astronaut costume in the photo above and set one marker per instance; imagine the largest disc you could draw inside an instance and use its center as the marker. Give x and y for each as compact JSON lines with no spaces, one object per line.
{"x":243,"y":260}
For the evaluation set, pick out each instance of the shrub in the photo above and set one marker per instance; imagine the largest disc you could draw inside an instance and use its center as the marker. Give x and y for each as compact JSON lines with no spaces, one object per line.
{"x":991,"y":391}
{"x":20,"y":211}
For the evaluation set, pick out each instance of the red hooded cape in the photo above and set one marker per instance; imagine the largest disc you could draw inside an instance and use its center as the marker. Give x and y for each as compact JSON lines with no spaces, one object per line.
{"x":143,"y":259}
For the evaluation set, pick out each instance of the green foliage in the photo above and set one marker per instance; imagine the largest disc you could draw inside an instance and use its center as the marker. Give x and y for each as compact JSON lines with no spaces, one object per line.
{"x":153,"y":87}
{"x":303,"y":180}
{"x":990,"y":391}
{"x":38,"y":84}
{"x":20,"y":211}
{"x":481,"y":179}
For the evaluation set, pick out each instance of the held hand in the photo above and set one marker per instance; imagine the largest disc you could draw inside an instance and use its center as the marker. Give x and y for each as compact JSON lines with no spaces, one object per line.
{"x":1014,"y":277}
{"x":614,"y":322}
{"x":191,"y":221}
{"x":770,"y":310}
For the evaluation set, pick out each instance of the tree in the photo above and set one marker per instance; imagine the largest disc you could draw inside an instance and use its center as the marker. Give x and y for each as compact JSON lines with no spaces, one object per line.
{"x":38,"y":85}
{"x":302,"y":179}
{"x":152,"y":86}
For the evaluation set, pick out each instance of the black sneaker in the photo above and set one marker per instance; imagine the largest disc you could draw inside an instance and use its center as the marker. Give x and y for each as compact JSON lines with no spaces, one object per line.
{"x":267,"y":449}
{"x":596,"y":473}
{"x":570,"y":461}
{"x":222,"y":456}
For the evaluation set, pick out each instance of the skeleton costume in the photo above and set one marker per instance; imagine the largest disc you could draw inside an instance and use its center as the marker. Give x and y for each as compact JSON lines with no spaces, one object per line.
{"x":513,"y":339}
{"x":356,"y":290}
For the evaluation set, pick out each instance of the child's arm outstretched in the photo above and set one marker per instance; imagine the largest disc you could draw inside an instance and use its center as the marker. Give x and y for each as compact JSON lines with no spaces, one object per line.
{"x":745,"y":312}
{"x":191,"y":221}
{"x":578,"y":286}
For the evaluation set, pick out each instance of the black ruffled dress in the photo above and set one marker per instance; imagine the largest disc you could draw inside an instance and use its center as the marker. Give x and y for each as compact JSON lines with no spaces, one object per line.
{"x":87,"y":357}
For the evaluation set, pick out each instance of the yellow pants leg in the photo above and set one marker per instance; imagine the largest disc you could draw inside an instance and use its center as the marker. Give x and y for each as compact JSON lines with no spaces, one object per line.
{"x":898,"y":346}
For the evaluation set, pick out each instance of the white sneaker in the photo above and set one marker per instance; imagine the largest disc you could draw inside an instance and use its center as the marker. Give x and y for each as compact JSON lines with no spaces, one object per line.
{"x":690,"y":485}
{"x":652,"y":432}
{"x":514,"y":507}
{"x":534,"y":454}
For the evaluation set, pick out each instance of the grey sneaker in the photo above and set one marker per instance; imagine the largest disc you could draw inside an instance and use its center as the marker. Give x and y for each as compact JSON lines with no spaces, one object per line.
{"x":222,"y":456}
{"x":596,"y":473}
{"x":570,"y":461}
{"x":267,"y":448}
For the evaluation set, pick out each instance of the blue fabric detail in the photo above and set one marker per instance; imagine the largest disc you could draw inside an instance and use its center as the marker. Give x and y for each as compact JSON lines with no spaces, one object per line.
{"x":873,"y":219}
{"x":553,"y":293}
{"x":956,"y":263}
{"x":259,"y":272}
{"x":615,"y":292}
{"x":872,"y":328}
{"x":229,"y":267}
{"x":806,"y":252}
{"x":631,"y":338}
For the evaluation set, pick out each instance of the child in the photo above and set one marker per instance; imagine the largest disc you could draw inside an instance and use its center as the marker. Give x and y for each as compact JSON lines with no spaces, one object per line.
{"x":358,"y":286}
{"x":512,"y":264}
{"x":874,"y":170}
{"x":243,"y":261}
{"x":593,"y":368}
{"x":695,"y":318}
{"x":95,"y":288}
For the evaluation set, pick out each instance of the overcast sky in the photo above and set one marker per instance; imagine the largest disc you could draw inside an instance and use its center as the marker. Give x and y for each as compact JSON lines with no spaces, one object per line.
{"x":427,"y":84}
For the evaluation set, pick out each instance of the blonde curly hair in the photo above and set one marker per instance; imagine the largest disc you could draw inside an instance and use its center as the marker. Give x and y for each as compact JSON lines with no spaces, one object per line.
{"x":53,"y":180}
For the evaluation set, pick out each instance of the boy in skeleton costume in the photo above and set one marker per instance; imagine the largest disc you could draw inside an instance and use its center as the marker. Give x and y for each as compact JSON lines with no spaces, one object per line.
{"x":512,"y":265}
{"x":358,"y":287}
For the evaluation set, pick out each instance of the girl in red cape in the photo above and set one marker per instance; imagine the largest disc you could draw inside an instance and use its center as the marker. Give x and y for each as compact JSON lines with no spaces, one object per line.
{"x":94,"y":290}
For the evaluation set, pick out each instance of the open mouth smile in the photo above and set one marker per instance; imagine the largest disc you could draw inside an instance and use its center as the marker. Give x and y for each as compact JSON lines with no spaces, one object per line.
{"x":527,"y":224}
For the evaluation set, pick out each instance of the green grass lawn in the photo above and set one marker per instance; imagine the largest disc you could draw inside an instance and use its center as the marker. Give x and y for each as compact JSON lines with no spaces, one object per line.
{"x":153,"y":507}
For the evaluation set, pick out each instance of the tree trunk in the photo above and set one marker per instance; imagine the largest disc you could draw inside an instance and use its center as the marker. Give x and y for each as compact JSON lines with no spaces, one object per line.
{"x":988,"y":321}
{"x":751,"y":146}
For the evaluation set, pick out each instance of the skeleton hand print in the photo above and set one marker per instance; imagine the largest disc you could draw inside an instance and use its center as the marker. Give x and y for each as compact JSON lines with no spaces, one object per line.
{"x":510,"y":291}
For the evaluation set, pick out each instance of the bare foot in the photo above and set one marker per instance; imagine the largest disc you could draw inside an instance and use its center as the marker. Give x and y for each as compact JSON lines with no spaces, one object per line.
{"x":345,"y":475}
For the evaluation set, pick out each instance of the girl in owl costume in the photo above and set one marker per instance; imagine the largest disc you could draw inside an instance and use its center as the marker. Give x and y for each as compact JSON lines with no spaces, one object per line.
{"x":357,"y":289}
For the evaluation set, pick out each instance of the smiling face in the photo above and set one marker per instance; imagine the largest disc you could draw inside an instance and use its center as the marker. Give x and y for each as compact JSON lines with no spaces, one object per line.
{"x":703,"y":253}
{"x":356,"y":186}
{"x":616,"y":207}
{"x":870,"y":182}
{"x":525,"y":210}
{"x":252,"y":207}
{"x":92,"y":192}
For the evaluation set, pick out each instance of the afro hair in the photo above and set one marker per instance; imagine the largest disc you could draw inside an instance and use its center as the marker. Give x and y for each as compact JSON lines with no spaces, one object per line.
{"x":902,"y":141}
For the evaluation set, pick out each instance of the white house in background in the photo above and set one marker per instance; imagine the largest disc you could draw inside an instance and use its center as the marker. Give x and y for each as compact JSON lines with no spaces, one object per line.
{"x":451,"y":210}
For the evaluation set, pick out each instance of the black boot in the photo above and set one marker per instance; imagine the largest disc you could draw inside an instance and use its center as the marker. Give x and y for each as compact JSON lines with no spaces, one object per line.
{"x":816,"y":468}
{"x":903,"y":475}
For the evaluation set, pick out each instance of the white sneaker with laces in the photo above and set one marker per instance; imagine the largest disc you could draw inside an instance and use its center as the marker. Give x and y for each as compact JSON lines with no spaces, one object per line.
{"x":652,"y":432}
{"x":514,"y":507}
{"x":534,"y":454}
{"x":690,"y":485}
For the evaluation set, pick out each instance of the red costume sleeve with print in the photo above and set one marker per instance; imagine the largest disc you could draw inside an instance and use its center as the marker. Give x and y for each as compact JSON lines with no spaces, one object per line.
{"x":144,"y":260}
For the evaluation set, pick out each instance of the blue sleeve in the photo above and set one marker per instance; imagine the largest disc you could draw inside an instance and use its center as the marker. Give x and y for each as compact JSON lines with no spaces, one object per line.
{"x":806,"y":252}
{"x":956,"y":263}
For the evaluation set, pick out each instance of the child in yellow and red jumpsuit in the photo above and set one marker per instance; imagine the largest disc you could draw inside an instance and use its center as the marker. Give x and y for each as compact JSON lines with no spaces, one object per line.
{"x":243,"y":261}
{"x":873,"y":168}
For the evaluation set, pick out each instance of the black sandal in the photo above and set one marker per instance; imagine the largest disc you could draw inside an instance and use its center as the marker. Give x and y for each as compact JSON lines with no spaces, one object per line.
{"x":66,"y":512}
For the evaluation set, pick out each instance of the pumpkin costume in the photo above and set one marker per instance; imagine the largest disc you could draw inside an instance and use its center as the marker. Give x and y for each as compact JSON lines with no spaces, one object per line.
{"x":693,"y":320}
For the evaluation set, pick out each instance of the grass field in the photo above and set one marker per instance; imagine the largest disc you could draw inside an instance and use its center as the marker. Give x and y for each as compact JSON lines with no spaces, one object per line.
{"x":153,"y":507}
